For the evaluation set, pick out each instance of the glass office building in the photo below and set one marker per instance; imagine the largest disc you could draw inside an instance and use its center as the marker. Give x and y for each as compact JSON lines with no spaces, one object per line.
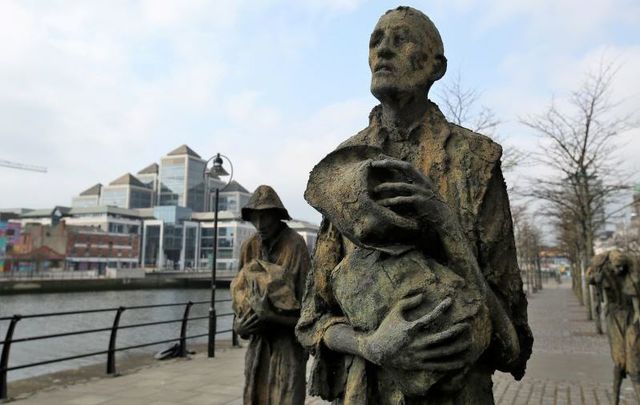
{"x":88,"y":198}
{"x":180,"y":180}
{"x":126,"y":192}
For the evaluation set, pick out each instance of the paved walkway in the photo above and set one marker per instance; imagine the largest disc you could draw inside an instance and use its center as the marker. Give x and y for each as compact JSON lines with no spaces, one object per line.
{"x":570,"y":365}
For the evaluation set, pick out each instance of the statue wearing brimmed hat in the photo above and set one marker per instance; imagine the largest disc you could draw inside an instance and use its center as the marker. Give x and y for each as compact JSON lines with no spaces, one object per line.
{"x":266,"y":300}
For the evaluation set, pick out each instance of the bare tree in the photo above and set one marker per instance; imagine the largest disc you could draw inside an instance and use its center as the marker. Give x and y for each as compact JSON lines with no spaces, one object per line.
{"x":461,"y":106}
{"x":580,"y":145}
{"x":528,"y":245}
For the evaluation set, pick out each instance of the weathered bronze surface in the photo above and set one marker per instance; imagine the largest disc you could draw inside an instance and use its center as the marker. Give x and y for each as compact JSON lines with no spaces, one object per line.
{"x":266,"y":300}
{"x":617,"y":278}
{"x":415,"y":295}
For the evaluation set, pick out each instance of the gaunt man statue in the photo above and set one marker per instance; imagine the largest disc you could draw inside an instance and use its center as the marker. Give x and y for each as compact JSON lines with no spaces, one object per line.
{"x":414,"y":296}
{"x":266,"y":299}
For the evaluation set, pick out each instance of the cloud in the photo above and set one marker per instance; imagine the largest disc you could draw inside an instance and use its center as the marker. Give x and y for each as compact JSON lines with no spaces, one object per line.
{"x":71,"y":98}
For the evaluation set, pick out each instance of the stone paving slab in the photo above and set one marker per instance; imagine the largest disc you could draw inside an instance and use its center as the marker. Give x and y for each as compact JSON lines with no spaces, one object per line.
{"x":570,"y":365}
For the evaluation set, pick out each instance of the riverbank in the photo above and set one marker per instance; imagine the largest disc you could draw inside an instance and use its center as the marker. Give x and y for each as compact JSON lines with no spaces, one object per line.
{"x":22,"y":286}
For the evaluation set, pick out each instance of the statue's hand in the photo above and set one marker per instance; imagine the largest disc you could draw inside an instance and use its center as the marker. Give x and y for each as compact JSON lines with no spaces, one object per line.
{"x":247,"y":325}
{"x":407,"y":345}
{"x":259,"y":302}
{"x":416,"y":194}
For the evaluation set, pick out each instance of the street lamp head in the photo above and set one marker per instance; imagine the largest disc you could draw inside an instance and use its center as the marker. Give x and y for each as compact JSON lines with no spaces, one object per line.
{"x":217,"y":170}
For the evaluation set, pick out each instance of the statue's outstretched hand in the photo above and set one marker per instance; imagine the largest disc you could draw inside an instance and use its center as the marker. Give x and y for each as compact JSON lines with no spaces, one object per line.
{"x":408,"y":345}
{"x":416,"y":194}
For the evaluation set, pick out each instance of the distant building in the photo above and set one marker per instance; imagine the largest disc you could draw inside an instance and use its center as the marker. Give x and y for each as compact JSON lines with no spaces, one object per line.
{"x":63,"y":247}
{"x":181,"y":179}
{"x":232,"y":232}
{"x":307,"y":230}
{"x":232,"y":198}
{"x":553,"y":260}
{"x":106,"y":218}
{"x":47,"y":216}
{"x":149,"y":177}
{"x":165,"y":210}
{"x":9,"y":236}
{"x":127,"y":192}
{"x":88,"y":198}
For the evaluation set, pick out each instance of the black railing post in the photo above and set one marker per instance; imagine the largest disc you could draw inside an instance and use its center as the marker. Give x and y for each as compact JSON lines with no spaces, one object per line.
{"x":4,"y":358}
{"x":234,"y":335}
{"x":211,"y":344}
{"x":183,"y":330}
{"x":111,"y":355}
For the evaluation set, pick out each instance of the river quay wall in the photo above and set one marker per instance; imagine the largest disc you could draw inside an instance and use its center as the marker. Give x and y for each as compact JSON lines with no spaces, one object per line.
{"x":30,"y":286}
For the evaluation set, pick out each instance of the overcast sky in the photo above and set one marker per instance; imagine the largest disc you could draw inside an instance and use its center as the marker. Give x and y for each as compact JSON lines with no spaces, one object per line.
{"x":95,"y":89}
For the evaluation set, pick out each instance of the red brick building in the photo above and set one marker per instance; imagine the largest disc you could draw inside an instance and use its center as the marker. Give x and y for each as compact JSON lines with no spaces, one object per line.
{"x":80,"y":247}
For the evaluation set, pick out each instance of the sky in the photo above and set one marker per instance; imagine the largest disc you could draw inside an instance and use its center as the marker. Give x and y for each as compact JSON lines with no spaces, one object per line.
{"x":94,"y":89}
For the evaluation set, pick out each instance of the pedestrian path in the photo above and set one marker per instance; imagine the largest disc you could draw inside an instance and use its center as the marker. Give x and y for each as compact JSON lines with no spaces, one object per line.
{"x":570,"y":365}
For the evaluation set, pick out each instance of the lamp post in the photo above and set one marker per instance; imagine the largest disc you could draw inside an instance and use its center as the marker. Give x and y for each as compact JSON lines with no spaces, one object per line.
{"x":216,"y":171}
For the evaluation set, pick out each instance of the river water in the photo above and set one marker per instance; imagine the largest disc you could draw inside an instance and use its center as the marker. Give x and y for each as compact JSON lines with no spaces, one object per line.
{"x":41,"y":350}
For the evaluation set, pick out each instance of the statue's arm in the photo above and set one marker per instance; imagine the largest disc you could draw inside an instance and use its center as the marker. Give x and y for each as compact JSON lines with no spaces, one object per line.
{"x":497,"y":259}
{"x":318,"y":312}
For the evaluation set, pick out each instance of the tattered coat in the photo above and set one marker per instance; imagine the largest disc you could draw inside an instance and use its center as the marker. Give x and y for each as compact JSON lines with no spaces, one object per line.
{"x":275,"y":362}
{"x":465,"y":170}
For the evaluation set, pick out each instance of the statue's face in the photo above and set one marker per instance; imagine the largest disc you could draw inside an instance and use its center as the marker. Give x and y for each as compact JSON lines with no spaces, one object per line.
{"x":400,"y":57}
{"x":266,"y":222}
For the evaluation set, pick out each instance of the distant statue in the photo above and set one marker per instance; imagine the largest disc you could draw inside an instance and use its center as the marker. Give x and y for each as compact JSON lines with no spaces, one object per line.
{"x":597,"y":300}
{"x":266,"y":300}
{"x":415,"y":294}
{"x":618,"y":277}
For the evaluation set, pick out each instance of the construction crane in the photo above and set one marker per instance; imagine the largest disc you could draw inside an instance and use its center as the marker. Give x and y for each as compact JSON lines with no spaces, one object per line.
{"x":21,"y":166}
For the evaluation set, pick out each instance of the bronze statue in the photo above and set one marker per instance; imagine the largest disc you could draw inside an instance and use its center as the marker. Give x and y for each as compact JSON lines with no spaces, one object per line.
{"x":597,"y":299}
{"x":266,"y":300}
{"x":617,"y":276}
{"x":415,"y":295}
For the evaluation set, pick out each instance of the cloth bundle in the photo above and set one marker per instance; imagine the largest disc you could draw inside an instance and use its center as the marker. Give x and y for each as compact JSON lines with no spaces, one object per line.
{"x":269,"y":278}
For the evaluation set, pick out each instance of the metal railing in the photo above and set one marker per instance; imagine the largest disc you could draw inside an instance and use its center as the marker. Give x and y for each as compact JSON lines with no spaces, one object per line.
{"x":112,"y":348}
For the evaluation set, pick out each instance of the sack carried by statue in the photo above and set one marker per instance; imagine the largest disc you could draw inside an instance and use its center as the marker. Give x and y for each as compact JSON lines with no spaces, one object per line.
{"x":270,"y":278}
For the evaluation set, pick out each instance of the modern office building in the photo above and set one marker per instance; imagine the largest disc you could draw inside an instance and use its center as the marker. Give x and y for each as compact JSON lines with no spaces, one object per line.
{"x":107,"y":219}
{"x":307,"y":230}
{"x":149,"y":177}
{"x":232,"y":198}
{"x":127,"y":192}
{"x":181,"y":179}
{"x":169,"y":207}
{"x":88,"y":198}
{"x":170,"y":238}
